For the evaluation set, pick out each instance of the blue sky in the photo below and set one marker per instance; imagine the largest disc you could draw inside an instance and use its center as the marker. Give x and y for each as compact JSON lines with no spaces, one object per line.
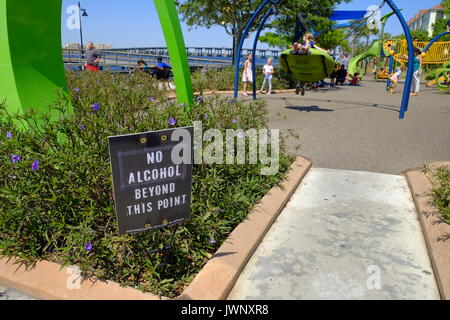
{"x":134,"y":23}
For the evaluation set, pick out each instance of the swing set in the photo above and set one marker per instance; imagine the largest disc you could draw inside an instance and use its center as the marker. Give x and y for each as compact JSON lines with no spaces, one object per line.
{"x":317,"y":65}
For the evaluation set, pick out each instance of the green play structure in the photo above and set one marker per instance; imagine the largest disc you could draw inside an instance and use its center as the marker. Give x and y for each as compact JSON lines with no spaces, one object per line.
{"x":374,"y":51}
{"x":307,"y":67}
{"x":443,"y":77}
{"x":31,"y":60}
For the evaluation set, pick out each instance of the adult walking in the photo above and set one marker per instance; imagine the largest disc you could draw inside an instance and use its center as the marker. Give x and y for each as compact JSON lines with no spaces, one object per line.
{"x":418,"y":62}
{"x":92,"y":58}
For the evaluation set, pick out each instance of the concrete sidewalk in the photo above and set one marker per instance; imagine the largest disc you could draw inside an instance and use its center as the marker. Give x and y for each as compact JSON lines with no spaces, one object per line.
{"x":343,"y":235}
{"x":10,"y":294}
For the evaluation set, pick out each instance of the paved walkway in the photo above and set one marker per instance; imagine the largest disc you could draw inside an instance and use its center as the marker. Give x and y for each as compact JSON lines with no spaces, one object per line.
{"x":9,"y":294}
{"x":358,"y":128}
{"x":343,"y":235}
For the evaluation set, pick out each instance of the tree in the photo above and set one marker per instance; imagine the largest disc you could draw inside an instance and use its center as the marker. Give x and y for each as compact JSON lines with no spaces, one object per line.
{"x":417,"y":35}
{"x":233,"y":15}
{"x":441,"y":25}
{"x":446,"y":5}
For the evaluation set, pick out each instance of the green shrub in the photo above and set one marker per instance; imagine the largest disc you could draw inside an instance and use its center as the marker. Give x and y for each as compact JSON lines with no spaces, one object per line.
{"x":223,"y":80}
{"x":440,"y":191}
{"x":50,"y":210}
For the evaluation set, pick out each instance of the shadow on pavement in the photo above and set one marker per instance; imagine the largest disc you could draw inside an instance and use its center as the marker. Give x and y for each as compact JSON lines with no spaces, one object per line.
{"x":309,"y":109}
{"x":354,"y":104}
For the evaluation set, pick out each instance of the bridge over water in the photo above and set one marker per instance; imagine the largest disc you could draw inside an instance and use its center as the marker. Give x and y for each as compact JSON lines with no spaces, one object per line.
{"x":126,"y":59}
{"x":203,"y":51}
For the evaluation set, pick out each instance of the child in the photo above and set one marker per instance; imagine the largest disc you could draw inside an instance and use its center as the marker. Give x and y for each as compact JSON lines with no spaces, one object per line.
{"x":308,"y":42}
{"x":394,"y":79}
{"x":247,"y":77}
{"x":355,"y":79}
{"x":341,"y":76}
{"x":418,"y":62}
{"x":268,"y":74}
{"x":334,"y":75}
{"x":383,"y":74}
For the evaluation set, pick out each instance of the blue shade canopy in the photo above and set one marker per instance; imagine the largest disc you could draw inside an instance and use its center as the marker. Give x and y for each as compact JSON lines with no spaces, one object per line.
{"x":347,"y":15}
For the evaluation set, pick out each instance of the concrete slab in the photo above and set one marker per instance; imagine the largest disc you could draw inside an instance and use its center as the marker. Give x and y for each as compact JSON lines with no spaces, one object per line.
{"x":10,"y":294}
{"x":343,"y":235}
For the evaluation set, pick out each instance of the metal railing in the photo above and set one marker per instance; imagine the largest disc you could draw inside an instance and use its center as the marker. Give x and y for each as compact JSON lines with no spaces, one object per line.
{"x":129,"y":59}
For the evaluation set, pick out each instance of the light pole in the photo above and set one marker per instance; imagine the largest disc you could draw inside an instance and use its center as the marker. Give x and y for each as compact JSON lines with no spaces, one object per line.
{"x":81,"y":27}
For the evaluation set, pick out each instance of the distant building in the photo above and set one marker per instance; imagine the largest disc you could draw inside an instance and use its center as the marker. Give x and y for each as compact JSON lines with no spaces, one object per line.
{"x":77,"y":46}
{"x":72,"y":46}
{"x":103,"y":46}
{"x":425,"y":19}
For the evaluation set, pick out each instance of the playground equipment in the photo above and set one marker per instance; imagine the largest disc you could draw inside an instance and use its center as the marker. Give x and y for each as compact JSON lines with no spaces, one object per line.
{"x":434,"y":52}
{"x":30,"y":79}
{"x":374,"y":51}
{"x":272,"y":3}
{"x":307,"y":67}
{"x":443,"y":78}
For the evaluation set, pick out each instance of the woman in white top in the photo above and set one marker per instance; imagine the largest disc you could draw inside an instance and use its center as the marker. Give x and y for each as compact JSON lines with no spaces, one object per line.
{"x":247,"y":77}
{"x":268,"y":74}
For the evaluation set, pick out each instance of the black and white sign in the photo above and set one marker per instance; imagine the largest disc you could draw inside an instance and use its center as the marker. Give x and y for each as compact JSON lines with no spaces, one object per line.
{"x":152,"y":178}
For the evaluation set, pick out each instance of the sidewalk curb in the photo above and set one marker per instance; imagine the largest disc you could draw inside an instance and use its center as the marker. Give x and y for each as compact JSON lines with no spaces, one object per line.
{"x":433,"y":231}
{"x":48,"y":280}
{"x":218,"y":276}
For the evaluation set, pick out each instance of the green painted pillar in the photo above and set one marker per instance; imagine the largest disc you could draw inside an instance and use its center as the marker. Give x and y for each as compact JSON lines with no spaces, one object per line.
{"x":31,"y":66}
{"x":173,"y":34}
{"x":31,"y":62}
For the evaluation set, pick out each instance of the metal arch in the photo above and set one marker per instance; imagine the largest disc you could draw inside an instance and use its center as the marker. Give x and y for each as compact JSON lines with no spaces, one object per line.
{"x":435,"y":39}
{"x":255,"y":43}
{"x":241,"y":43}
{"x":409,"y":75}
{"x":29,"y":80}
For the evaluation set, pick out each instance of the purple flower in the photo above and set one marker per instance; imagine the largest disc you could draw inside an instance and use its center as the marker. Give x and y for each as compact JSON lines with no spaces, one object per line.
{"x":206,"y":116}
{"x":199,"y":99}
{"x":212,"y":241}
{"x":96,"y":106}
{"x":230,"y":100}
{"x":88,"y":246}
{"x":241,"y":135}
{"x":35,"y":165}
{"x":172,"y":121}
{"x":182,"y":104}
{"x":217,"y":210}
{"x":234,"y":121}
{"x":151,"y":99}
{"x":77,"y":90}
{"x":83,"y":127}
{"x":9,"y":135}
{"x":15,"y":158}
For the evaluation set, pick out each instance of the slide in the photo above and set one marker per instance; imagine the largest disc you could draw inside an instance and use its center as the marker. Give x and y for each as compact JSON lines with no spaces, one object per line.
{"x":374,"y":51}
{"x":443,"y":77}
